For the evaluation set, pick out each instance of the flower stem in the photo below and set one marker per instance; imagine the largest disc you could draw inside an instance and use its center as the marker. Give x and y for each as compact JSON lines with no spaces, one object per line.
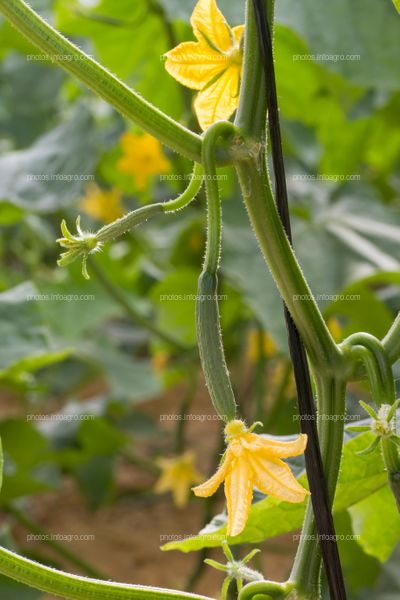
{"x":66,"y":54}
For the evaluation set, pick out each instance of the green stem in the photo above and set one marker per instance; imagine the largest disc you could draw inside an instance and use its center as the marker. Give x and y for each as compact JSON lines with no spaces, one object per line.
{"x":251,"y":112}
{"x":331,"y":411}
{"x":374,"y":356}
{"x":208,"y":326}
{"x":391,"y":341}
{"x":281,"y":260}
{"x":75,"y":587}
{"x":140,"y":215}
{"x":71,"y":557}
{"x":141,"y":462}
{"x":264,"y":590}
{"x":100,"y":80}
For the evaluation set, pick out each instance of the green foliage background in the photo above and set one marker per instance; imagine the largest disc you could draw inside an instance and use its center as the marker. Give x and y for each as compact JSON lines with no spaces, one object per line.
{"x":340,"y":121}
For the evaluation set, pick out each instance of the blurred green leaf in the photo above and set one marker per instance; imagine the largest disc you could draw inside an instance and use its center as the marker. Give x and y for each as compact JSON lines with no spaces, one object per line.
{"x":376,"y":521}
{"x":29,"y":344}
{"x":344,"y":28}
{"x":53,"y":172}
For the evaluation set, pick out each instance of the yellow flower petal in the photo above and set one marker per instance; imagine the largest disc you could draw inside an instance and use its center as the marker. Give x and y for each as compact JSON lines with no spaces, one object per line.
{"x":104,"y":205}
{"x":194,"y":64}
{"x":207,"y":19}
{"x":218,"y":101}
{"x":274,"y":477}
{"x":238,"y":33}
{"x":285,"y":449}
{"x":209,"y":487}
{"x":239,"y":493}
{"x":142,"y":158}
{"x":178,"y":475}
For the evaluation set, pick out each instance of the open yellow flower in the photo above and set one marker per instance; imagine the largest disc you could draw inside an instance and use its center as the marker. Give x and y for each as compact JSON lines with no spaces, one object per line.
{"x":142,"y":158}
{"x":212,"y":65}
{"x":103,"y":205}
{"x":178,"y":475}
{"x":252,"y":460}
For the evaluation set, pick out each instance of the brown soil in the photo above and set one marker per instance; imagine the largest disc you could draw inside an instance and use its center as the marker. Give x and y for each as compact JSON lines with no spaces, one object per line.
{"x":126,"y":542}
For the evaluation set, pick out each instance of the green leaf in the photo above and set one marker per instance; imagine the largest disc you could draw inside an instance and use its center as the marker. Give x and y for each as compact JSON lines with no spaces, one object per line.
{"x":29,"y":346}
{"x":175,"y":301}
{"x":128,"y":378}
{"x":130,"y":40}
{"x":9,"y":213}
{"x":344,"y":28}
{"x":53,"y":172}
{"x":359,"y":477}
{"x":376,"y":521}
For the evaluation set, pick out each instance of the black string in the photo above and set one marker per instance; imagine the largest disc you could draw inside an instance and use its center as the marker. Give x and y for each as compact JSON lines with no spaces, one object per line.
{"x":315,"y":472}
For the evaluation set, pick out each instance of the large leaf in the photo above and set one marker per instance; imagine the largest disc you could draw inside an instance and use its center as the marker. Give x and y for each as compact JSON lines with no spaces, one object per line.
{"x":376,"y":521}
{"x":360,"y":476}
{"x":344,"y":28}
{"x":28,"y":345}
{"x":130,"y":39}
{"x":53,"y":172}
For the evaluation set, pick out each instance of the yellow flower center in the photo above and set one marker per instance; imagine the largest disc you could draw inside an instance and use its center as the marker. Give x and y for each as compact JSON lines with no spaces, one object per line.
{"x":235,"y":429}
{"x":234,"y":56}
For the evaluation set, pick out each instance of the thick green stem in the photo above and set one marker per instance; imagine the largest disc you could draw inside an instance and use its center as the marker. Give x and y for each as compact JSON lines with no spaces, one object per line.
{"x":331,"y":415}
{"x":97,"y":78}
{"x":74,"y":587}
{"x":280,"y":258}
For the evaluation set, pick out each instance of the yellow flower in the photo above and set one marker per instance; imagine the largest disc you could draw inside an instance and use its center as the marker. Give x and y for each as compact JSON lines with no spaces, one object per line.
{"x":252,"y":460}
{"x":268,"y":345}
{"x":178,"y":475}
{"x":335,"y":329}
{"x":142,"y":158}
{"x":160,"y":361}
{"x":103,"y":205}
{"x":212,"y":65}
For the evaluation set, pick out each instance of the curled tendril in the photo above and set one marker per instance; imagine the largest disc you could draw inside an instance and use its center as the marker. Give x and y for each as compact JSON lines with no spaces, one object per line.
{"x":77,"y":246}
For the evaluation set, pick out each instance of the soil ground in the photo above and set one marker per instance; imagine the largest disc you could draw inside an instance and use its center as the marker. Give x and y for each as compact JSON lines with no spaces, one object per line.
{"x":125,"y":535}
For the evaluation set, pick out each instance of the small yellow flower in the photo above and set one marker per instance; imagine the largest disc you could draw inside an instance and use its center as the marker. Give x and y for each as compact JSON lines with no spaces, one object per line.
{"x":103,"y":205}
{"x":252,"y":460}
{"x":212,"y":65}
{"x":268,"y":345}
{"x":160,"y":361}
{"x":335,"y":329}
{"x":178,"y":475}
{"x":142,"y":158}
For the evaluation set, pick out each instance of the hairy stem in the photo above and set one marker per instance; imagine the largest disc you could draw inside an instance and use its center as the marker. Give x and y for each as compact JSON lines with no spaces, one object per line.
{"x":67,"y":55}
{"x":283,"y":265}
{"x":75,"y":587}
